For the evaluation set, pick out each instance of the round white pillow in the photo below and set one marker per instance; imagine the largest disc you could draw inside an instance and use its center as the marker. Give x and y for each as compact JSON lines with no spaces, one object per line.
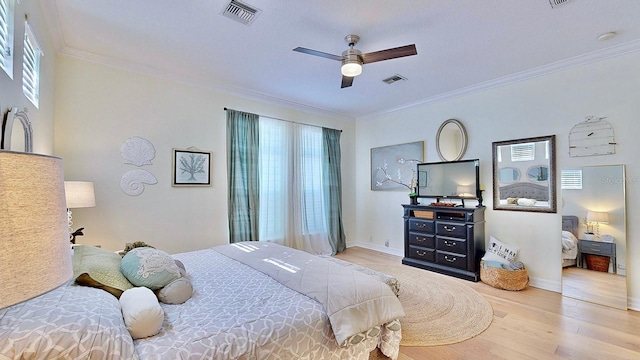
{"x":141,"y":311}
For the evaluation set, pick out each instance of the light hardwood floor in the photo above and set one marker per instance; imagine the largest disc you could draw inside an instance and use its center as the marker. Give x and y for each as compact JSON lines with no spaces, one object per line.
{"x":532,"y":324}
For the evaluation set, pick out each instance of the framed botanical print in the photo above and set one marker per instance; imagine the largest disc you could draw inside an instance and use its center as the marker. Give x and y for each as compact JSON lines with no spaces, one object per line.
{"x":191,"y":167}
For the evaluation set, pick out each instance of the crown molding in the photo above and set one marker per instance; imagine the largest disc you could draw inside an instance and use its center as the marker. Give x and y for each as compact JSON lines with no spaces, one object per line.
{"x":595,"y":56}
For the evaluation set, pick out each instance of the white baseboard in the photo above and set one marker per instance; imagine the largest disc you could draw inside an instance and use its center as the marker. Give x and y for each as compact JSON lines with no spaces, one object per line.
{"x":633,"y":304}
{"x":370,"y":246}
{"x":545,"y":284}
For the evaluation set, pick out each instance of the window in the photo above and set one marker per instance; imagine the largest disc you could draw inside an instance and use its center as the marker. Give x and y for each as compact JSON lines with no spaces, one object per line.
{"x":31,"y":66}
{"x":571,"y":179}
{"x":523,"y":152}
{"x":6,"y":36}
{"x":290,"y":173}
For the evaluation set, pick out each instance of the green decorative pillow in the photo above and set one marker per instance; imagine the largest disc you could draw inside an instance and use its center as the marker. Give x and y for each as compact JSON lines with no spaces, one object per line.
{"x":99,"y":268}
{"x":149,"y":267}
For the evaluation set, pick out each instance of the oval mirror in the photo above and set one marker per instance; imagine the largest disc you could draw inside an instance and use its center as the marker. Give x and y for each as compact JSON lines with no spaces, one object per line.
{"x":21,"y":127}
{"x":451,"y":140}
{"x":538,"y":173}
{"x":508,"y":175}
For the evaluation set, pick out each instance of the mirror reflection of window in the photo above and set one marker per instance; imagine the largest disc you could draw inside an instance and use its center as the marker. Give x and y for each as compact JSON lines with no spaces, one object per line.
{"x":508,"y":175}
{"x":571,"y":179}
{"x":523,"y":152}
{"x":538,"y":173}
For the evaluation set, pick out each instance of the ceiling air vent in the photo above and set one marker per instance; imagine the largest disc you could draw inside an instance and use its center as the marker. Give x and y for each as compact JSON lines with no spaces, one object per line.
{"x":241,"y":12}
{"x":394,"y":78}
{"x":556,"y":3}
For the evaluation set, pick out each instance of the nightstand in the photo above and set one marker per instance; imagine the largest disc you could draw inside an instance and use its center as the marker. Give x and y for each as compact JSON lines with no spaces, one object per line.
{"x":597,"y":248}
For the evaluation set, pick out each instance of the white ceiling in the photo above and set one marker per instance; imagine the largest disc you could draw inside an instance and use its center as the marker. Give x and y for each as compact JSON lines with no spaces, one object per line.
{"x":463,"y":45}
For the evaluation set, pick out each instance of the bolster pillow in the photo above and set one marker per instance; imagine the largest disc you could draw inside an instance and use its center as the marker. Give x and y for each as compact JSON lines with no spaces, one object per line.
{"x":141,"y":311}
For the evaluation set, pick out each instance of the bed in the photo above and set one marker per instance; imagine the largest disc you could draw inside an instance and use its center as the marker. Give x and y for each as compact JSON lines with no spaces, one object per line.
{"x":238,"y":310}
{"x":569,"y":240}
{"x":532,"y":194}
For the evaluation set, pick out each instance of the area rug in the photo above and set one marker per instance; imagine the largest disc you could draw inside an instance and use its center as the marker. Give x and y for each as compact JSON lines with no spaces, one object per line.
{"x":439,"y":310}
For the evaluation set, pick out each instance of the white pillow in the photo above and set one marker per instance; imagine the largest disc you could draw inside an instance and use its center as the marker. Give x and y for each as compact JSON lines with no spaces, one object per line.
{"x":503,"y":250}
{"x":526,"y":202}
{"x":141,"y":311}
{"x":489,"y":256}
{"x":176,"y":292}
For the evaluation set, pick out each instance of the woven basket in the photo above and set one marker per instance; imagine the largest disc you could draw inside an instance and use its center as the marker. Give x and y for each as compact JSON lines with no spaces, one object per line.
{"x":423,"y":214}
{"x":597,"y":262}
{"x":512,"y":280}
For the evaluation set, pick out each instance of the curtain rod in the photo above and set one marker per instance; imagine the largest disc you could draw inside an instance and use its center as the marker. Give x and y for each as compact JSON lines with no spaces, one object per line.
{"x":291,"y":121}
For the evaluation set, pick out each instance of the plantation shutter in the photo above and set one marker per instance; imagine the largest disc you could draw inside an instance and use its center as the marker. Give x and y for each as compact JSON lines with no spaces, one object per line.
{"x":31,"y":66}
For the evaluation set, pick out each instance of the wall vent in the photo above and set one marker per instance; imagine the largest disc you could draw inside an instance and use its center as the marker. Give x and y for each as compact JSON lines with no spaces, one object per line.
{"x":394,"y":78}
{"x":556,"y":3}
{"x":240,"y":12}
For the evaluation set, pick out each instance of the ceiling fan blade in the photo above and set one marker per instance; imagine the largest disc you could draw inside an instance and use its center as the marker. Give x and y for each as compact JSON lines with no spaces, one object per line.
{"x":346,"y":81}
{"x":318,"y":53}
{"x":388,"y":54}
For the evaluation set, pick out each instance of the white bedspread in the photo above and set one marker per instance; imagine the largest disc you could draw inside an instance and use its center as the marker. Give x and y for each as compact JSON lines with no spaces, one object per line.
{"x":237,"y":312}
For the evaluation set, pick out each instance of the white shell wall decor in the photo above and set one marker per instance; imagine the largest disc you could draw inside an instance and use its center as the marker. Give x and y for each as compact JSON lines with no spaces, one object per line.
{"x":132,"y":182}
{"x":594,"y":136}
{"x":137,"y":151}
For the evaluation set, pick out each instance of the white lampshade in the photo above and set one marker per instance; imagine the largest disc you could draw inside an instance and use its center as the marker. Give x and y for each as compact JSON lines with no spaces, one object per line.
{"x":35,"y":256}
{"x":464,"y":191}
{"x":597,"y":217}
{"x":79,"y":194}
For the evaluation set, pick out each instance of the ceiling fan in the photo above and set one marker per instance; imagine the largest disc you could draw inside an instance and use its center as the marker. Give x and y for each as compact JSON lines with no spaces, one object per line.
{"x":353,"y":59}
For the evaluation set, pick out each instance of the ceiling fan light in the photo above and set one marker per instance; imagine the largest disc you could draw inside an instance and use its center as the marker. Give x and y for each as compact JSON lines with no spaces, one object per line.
{"x":351,"y":69}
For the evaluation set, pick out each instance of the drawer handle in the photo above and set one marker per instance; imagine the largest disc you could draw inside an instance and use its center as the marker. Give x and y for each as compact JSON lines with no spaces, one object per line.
{"x":421,"y":253}
{"x":595,"y":245}
{"x":450,"y":259}
{"x":421,"y":225}
{"x":449,"y":228}
{"x":595,"y":250}
{"x":449,"y":243}
{"x":421,"y":239}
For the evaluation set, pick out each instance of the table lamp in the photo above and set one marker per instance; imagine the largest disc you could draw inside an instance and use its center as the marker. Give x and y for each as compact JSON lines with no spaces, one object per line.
{"x":35,"y":256}
{"x":597,"y":217}
{"x":79,"y":194}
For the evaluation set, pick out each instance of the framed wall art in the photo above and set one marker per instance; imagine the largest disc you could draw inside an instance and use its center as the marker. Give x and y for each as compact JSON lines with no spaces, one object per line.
{"x":394,"y":167}
{"x":191,"y":167}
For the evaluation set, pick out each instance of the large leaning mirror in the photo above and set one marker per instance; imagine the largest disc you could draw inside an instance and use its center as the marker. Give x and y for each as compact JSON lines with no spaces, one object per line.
{"x":594,"y":238}
{"x":524,"y":174}
{"x":451,"y":140}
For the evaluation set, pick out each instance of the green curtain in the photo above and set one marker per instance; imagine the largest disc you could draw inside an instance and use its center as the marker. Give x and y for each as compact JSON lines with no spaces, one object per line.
{"x":333,"y":188}
{"x":242,"y":173}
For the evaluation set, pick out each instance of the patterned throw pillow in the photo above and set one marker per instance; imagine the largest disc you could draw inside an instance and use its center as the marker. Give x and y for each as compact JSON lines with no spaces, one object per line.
{"x":149,"y":267}
{"x":501,"y":249}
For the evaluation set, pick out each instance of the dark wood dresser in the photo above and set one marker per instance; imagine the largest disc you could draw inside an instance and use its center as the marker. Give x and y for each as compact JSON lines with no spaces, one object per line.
{"x":448,"y":240}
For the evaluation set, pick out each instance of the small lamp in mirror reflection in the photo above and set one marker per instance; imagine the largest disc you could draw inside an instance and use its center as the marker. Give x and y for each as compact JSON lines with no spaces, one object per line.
{"x":464,"y":191}
{"x":79,"y":194}
{"x":597,"y":218}
{"x":35,"y":256}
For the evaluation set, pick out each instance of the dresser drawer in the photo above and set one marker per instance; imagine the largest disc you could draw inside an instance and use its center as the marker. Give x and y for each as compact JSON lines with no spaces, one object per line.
{"x":451,"y":259}
{"x":421,"y":225}
{"x":421,"y":239}
{"x":425,"y":254}
{"x":596,"y":247}
{"x":451,"y":229}
{"x":451,"y":245}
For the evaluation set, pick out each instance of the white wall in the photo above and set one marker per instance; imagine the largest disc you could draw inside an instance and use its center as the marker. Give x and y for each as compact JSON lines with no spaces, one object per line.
{"x":546,"y":105}
{"x":99,"y":107}
{"x":11,"y":89}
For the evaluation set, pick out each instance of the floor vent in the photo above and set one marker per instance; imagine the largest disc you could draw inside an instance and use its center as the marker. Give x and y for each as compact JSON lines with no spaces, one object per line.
{"x":556,"y":3}
{"x":241,"y":12}
{"x":394,"y":78}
